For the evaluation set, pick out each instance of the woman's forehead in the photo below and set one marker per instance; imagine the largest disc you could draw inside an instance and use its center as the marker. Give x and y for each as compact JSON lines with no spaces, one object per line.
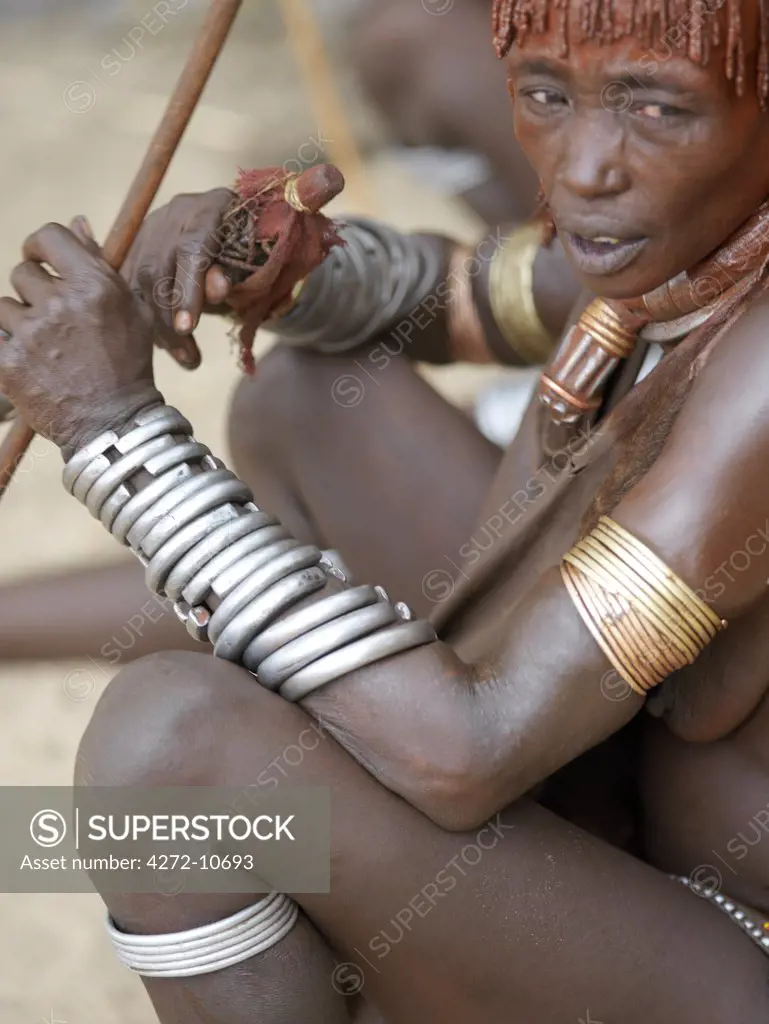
{"x":591,"y":64}
{"x":702,"y":40}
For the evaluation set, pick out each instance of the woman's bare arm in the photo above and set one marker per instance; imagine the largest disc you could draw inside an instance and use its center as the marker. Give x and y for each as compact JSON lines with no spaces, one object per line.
{"x":462,"y":741}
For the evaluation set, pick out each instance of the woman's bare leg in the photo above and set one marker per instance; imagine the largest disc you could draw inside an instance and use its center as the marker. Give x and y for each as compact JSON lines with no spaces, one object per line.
{"x":395,"y":481}
{"x":527,"y":919}
{"x":105,"y":613}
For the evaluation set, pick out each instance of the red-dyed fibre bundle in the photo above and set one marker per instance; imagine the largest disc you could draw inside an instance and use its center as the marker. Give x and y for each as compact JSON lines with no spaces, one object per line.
{"x":283,"y":237}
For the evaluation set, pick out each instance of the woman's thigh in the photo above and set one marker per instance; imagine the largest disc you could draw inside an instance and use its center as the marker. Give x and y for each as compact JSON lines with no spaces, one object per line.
{"x":368,"y":460}
{"x":525,"y":919}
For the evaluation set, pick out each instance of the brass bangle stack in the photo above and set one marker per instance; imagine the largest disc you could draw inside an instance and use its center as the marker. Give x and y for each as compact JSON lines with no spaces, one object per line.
{"x":511,"y":295}
{"x":645,"y":619}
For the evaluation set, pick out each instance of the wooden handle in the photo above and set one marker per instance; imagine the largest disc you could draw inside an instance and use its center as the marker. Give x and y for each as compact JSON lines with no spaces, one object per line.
{"x":181,"y":107}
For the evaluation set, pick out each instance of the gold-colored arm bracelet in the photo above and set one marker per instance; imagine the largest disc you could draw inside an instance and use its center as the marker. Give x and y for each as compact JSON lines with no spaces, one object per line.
{"x":467,"y":338}
{"x":645,"y":619}
{"x":511,"y":295}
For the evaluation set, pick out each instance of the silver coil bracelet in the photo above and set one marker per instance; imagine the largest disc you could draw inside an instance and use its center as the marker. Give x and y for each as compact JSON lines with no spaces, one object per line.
{"x":383,"y":274}
{"x":233,"y":573}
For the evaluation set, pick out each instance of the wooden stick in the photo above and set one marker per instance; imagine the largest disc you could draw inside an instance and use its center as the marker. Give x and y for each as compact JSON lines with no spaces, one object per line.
{"x":343,"y":150}
{"x":181,"y":107}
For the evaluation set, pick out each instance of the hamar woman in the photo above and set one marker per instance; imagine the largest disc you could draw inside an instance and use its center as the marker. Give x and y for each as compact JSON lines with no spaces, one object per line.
{"x":495,"y":709}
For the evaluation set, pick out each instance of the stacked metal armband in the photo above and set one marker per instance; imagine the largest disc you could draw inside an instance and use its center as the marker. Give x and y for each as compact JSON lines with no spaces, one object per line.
{"x":383,"y":275}
{"x":230,"y":568}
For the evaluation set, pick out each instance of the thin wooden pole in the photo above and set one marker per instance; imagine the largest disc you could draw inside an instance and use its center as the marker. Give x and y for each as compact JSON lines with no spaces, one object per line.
{"x":310,"y":49}
{"x":184,"y":100}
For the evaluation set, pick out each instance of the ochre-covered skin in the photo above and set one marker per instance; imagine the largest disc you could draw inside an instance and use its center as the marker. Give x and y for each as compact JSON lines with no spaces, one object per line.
{"x":515,"y":715}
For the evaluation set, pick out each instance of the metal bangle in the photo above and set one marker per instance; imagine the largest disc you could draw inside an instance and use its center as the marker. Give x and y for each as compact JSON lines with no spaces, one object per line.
{"x":246,"y":624}
{"x":210,"y":948}
{"x":202,"y":540}
{"x":151,"y":424}
{"x":312,"y":646}
{"x":221,"y":487}
{"x":301,"y":558}
{"x":128,"y":465}
{"x":229,"y":568}
{"x":121,"y":510}
{"x":160,"y":420}
{"x":166,"y":558}
{"x":385,"y":644}
{"x":384,"y":275}
{"x":306,"y":619}
{"x":85,"y":455}
{"x":221,"y":542}
{"x":158,"y":512}
{"x":230,"y":578}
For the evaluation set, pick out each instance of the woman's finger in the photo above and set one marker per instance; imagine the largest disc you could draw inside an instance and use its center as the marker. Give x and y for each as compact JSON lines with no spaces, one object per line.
{"x":12,"y":313}
{"x":82,"y":230}
{"x":62,"y":250}
{"x":32,"y":282}
{"x":197,"y":253}
{"x":162,"y":299}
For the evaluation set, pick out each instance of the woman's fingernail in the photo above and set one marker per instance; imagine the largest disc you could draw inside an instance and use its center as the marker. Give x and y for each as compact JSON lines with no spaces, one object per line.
{"x":218,"y":285}
{"x":183,"y":322}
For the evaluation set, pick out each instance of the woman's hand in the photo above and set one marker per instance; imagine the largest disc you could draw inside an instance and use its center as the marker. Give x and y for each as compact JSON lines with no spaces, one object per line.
{"x":78,"y":356}
{"x":172,"y":266}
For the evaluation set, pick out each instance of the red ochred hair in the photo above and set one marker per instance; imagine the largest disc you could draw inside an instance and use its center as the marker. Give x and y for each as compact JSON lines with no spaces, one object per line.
{"x":689,"y":27}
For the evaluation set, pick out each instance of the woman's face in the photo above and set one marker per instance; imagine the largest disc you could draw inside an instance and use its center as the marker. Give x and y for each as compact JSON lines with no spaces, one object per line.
{"x":647,"y":160}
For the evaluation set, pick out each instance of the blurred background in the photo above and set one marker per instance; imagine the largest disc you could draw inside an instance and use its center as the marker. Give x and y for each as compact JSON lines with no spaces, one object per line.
{"x":75,"y":134}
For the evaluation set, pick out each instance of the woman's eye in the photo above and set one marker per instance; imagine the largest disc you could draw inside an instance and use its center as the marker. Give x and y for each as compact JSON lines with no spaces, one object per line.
{"x":545,"y":97}
{"x":656,"y":111}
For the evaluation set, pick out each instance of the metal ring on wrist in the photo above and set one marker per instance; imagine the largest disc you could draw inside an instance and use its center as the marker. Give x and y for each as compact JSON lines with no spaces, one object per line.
{"x":246,"y":624}
{"x":158,"y":512}
{"x":96,"y":483}
{"x":118,"y":514}
{"x":303,"y":557}
{"x":226,"y":570}
{"x":304,"y":620}
{"x":167,"y":557}
{"x":106,"y":483}
{"x":221,"y":488}
{"x":326,"y":639}
{"x":223,"y":582}
{"x":165,"y":421}
{"x":221,"y":542}
{"x":85,"y":455}
{"x":385,"y":644}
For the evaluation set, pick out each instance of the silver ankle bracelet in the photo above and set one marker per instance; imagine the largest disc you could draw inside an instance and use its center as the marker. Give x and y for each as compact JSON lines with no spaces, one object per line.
{"x":214,"y":947}
{"x":233,"y":573}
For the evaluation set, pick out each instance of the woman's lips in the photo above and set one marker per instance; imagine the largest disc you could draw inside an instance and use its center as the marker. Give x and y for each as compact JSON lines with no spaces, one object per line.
{"x":601,"y":257}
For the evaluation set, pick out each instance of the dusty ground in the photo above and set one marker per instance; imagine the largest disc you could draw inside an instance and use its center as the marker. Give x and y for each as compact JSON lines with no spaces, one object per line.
{"x":72,"y":141}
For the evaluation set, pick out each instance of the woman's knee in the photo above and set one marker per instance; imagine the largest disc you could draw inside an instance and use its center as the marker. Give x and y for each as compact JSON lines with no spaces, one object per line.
{"x":164,"y":720}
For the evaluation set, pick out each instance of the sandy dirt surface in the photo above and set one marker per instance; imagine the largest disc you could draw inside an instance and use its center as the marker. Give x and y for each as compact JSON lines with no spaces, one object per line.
{"x":74,"y":135}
